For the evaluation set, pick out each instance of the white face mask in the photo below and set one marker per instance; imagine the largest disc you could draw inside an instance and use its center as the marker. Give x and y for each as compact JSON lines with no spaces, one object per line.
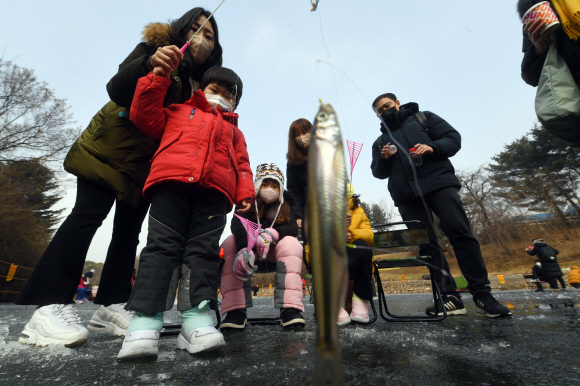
{"x":268,"y":195}
{"x":538,"y":265}
{"x":218,"y":101}
{"x":303,"y":141}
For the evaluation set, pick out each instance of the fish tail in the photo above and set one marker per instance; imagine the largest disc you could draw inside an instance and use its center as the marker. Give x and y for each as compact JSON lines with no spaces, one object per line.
{"x":328,"y":361}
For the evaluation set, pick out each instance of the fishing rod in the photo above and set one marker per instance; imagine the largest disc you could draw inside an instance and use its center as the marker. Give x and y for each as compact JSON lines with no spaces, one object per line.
{"x":199,"y":29}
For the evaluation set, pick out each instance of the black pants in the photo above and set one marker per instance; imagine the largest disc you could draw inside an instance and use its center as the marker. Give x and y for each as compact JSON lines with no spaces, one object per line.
{"x":446,"y":204}
{"x":575,"y":285}
{"x":360,"y":268}
{"x":185,"y":225}
{"x":554,"y":282}
{"x":57,"y":274}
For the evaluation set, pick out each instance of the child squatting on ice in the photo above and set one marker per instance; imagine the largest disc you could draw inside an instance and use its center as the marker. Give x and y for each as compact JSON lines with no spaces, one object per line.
{"x":200,"y":170}
{"x":277,"y":243}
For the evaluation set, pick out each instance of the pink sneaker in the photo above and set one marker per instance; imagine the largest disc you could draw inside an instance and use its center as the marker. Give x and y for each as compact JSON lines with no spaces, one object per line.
{"x":360,"y":310}
{"x":343,"y":317}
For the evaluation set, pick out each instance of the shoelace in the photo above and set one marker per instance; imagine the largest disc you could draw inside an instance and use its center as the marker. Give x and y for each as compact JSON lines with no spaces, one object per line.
{"x":67,"y":313}
{"x":487,"y":299}
{"x":131,"y":314}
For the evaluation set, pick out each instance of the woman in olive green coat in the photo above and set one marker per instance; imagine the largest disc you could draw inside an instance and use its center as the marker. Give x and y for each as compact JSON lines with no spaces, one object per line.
{"x":111,"y":162}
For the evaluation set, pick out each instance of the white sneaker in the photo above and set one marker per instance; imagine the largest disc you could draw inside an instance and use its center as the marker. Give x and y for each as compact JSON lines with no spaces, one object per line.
{"x":140,"y":344}
{"x":200,"y":339}
{"x":113,"y":319}
{"x":55,"y":324}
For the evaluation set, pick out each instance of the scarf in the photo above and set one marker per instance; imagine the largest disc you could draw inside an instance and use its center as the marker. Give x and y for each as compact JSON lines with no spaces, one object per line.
{"x":569,"y":12}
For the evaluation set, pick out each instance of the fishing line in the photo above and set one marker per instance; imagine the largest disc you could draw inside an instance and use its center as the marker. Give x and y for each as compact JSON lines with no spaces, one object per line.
{"x":187,"y":43}
{"x":332,"y":74}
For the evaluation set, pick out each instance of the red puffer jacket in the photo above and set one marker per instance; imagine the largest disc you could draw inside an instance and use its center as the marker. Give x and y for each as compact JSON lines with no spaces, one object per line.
{"x":198,"y":145}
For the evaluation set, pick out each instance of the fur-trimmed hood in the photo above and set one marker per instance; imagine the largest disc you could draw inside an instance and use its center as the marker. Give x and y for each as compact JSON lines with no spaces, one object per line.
{"x":158,"y":34}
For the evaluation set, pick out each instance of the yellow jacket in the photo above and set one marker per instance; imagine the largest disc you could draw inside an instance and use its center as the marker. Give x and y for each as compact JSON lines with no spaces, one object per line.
{"x":360,"y":228}
{"x":574,"y":275}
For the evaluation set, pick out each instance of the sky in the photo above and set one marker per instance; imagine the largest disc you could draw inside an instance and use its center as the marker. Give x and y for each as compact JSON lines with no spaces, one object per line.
{"x":459,"y":59}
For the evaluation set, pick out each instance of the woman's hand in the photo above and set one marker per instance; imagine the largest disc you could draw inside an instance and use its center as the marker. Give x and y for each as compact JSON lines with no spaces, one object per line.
{"x":541,"y":41}
{"x":299,"y":222}
{"x":167,"y":58}
{"x":348,"y":236}
{"x":244,"y":206}
{"x":348,"y":219}
{"x":423,"y":149}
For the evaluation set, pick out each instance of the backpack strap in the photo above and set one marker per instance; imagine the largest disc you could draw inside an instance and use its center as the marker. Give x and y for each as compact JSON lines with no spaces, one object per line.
{"x":422,"y":120}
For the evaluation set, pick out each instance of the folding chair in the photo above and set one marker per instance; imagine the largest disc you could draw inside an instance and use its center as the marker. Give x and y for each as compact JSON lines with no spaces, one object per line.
{"x":406,"y":238}
{"x":531,"y":279}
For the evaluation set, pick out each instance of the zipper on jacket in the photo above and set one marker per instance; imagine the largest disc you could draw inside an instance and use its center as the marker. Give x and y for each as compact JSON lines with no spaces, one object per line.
{"x":192,"y":112}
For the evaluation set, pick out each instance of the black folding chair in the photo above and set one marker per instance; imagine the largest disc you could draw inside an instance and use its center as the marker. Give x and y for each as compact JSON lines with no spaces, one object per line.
{"x":406,"y":238}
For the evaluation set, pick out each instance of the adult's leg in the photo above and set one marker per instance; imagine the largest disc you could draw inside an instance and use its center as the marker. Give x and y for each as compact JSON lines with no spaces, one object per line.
{"x":447,"y":205}
{"x":115,"y":285}
{"x":57,"y":274}
{"x":414,"y":210}
{"x":561,"y":280}
{"x":553,"y":282}
{"x":160,"y":261}
{"x":288,"y":255}
{"x":200,"y":273}
{"x":360,"y":269}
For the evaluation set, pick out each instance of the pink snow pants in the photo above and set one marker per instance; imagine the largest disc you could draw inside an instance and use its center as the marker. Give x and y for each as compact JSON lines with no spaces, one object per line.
{"x":287,"y":254}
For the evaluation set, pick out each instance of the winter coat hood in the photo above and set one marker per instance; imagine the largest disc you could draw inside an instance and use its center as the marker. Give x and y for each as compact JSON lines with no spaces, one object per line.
{"x":405,"y":111}
{"x":574,"y":267}
{"x":157,"y":34}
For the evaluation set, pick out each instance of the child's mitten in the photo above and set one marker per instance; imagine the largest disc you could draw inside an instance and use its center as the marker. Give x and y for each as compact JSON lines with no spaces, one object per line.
{"x":244,"y":267}
{"x":267,"y":238}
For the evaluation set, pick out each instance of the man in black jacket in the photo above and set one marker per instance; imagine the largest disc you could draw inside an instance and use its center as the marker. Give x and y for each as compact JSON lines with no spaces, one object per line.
{"x":435,"y":141}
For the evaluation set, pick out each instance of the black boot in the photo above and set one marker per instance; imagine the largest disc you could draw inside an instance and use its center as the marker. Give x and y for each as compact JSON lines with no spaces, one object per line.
{"x":234,"y":320}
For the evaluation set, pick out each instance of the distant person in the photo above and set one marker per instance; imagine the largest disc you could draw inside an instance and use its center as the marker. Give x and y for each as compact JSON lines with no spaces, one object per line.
{"x":201,"y":170}
{"x":255,"y":290}
{"x":276,"y":248}
{"x":111,"y":162}
{"x":435,"y":141}
{"x":550,"y":267}
{"x":81,"y":292}
{"x":538,"y":275}
{"x":574,"y":276}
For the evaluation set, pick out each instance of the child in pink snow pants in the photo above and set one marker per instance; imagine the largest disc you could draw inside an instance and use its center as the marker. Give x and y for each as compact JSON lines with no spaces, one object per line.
{"x":277,"y":248}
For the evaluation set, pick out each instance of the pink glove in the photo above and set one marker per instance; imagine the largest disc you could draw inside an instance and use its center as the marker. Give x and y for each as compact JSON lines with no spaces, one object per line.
{"x":267,"y":237}
{"x":244,"y":267}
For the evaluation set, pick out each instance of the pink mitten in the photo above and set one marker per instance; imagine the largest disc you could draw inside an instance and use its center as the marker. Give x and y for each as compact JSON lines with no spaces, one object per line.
{"x":244,"y":267}
{"x":267,"y":237}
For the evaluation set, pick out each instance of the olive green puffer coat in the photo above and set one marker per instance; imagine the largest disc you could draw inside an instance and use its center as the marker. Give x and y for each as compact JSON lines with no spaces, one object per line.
{"x":112,"y":152}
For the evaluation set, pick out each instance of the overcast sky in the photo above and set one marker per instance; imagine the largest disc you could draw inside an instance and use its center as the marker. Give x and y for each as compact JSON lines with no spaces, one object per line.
{"x":459,"y":59}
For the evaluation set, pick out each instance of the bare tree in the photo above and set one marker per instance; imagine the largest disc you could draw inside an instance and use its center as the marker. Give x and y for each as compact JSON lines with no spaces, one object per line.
{"x":34,"y":123}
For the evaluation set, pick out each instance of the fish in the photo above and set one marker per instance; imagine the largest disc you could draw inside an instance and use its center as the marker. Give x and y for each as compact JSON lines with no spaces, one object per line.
{"x":326,"y":229}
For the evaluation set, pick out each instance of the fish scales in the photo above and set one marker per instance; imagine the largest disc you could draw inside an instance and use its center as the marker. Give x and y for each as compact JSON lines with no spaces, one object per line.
{"x":326,"y":227}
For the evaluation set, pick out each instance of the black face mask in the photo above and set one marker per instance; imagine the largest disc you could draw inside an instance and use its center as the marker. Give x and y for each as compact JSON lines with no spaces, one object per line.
{"x":391,"y":118}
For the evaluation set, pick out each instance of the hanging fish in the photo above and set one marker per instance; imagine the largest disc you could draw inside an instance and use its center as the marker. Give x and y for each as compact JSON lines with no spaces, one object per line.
{"x":326,"y":228}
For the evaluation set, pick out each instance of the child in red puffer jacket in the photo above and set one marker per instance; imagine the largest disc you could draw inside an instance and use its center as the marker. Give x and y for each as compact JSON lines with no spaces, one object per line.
{"x":200,"y":171}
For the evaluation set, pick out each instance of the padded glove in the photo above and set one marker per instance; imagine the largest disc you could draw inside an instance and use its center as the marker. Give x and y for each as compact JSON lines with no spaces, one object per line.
{"x":244,"y":267}
{"x":266,"y":238}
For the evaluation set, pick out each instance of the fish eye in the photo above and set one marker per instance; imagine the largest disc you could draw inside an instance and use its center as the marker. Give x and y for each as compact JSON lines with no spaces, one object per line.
{"x":322,"y":116}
